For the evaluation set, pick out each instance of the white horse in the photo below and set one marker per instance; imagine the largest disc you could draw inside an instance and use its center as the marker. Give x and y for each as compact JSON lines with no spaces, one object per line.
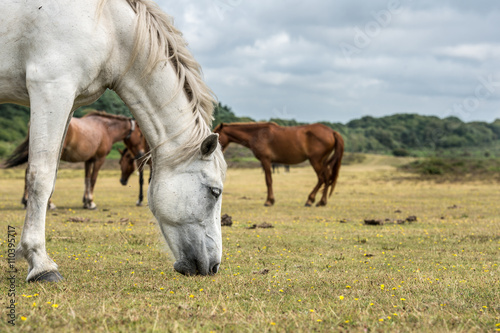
{"x":57,"y":55}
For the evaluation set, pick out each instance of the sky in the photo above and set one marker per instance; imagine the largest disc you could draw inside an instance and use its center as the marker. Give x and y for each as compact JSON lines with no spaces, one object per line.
{"x":335,"y":61}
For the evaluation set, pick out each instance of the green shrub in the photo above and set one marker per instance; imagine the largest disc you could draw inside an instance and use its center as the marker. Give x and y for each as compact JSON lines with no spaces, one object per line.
{"x":6,"y":148}
{"x":454,"y":166}
{"x":400,"y":152}
{"x":353,"y":158}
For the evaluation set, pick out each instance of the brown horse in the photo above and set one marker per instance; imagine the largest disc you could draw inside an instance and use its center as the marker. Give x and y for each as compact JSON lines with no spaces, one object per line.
{"x":271,"y":143}
{"x":89,"y":139}
{"x":129,"y":161}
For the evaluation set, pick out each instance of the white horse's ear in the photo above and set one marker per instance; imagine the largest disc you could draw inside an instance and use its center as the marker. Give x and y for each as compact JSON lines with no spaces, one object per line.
{"x":209,"y":144}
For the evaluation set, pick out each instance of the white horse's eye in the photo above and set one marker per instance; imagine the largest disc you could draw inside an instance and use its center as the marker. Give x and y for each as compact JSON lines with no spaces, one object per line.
{"x":216,"y":192}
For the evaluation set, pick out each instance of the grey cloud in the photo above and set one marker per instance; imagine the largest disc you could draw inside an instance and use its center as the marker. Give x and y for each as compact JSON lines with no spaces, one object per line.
{"x":285,"y":58}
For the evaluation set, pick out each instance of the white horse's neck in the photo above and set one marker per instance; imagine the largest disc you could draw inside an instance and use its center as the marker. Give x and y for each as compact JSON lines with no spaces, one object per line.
{"x":161,"y":108}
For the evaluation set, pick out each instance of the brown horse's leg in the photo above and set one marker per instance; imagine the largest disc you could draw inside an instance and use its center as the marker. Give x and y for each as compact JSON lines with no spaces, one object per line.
{"x":24,"y":199}
{"x":266,"y":165}
{"x":318,"y":168}
{"x":51,"y":205}
{"x":86,"y":194}
{"x":97,"y":166}
{"x":326,"y":173}
{"x":141,"y":183}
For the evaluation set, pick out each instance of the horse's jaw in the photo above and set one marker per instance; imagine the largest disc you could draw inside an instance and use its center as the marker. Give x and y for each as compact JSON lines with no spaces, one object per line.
{"x":197,"y":247}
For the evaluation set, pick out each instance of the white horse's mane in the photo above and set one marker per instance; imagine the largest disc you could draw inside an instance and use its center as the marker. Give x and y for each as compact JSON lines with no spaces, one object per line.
{"x":166,"y":42}
{"x":155,"y":28}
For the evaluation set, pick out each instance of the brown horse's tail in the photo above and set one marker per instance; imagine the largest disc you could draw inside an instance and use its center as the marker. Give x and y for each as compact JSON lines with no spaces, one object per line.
{"x":19,"y":156}
{"x":335,"y":161}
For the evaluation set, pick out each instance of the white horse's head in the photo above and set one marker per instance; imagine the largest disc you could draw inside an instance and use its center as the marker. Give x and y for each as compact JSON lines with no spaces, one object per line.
{"x":186,"y":200}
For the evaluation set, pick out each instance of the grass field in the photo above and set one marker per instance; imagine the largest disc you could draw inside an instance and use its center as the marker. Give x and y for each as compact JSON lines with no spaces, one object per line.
{"x":317,"y":269}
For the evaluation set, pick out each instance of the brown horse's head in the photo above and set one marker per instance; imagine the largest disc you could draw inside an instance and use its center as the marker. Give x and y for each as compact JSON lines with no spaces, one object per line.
{"x":127,"y":165}
{"x":223,"y":139}
{"x":136,"y":143}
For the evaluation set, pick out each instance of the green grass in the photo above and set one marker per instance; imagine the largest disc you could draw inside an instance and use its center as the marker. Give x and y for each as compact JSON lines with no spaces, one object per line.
{"x":438,"y":274}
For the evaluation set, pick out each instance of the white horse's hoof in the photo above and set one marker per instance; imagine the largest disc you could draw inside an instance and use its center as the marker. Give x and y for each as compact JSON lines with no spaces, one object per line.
{"x":51,"y":206}
{"x":52,"y":276}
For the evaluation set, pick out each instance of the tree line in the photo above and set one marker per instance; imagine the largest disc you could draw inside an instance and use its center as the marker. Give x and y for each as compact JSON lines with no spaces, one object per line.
{"x":400,"y":134}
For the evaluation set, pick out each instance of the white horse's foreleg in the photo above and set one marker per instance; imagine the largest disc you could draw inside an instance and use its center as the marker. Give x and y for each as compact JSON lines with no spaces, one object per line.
{"x":50,"y":113}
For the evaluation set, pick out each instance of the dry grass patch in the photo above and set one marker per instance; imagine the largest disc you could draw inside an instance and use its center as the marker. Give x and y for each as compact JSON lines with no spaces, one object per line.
{"x":437,"y":274}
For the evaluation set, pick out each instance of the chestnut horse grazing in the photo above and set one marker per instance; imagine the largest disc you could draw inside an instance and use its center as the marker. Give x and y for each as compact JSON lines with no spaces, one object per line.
{"x":130,"y":161}
{"x":89,"y":139}
{"x":58,"y":55}
{"x":271,"y":143}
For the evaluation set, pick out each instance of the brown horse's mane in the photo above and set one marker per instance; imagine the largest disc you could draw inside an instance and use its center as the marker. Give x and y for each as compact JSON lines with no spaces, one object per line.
{"x":257,"y":123}
{"x":103,"y":114}
{"x":248,"y":125}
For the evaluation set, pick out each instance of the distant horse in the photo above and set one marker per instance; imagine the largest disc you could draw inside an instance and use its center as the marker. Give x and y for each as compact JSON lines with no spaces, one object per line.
{"x":271,"y":143}
{"x":128,"y":166}
{"x":276,"y":167}
{"x":129,"y":162}
{"x":58,"y":55}
{"x":89,"y":139}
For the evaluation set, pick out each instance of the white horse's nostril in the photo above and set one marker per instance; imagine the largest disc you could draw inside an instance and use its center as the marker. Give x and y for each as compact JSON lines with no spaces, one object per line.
{"x":214,"y":269}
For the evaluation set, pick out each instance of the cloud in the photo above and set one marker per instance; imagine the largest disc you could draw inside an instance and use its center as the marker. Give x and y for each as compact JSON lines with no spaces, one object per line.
{"x":285,"y":58}
{"x":480,"y":52}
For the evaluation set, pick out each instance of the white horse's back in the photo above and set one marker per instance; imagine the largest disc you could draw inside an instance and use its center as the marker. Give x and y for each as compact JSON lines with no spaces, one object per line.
{"x":62,"y":40}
